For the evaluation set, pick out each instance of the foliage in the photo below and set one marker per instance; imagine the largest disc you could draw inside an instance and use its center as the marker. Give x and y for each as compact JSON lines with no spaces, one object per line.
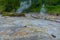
{"x":52,"y":2}
{"x":52,"y":6}
{"x":53,"y":9}
{"x":11,"y":4}
{"x":35,"y":7}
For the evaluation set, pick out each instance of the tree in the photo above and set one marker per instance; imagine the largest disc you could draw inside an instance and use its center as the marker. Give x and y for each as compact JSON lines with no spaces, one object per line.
{"x":11,"y":4}
{"x":52,"y":2}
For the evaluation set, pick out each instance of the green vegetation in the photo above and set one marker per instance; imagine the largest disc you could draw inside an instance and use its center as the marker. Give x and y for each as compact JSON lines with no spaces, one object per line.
{"x":52,"y":6}
{"x":12,"y":14}
{"x":53,"y":9}
{"x":9,"y":5}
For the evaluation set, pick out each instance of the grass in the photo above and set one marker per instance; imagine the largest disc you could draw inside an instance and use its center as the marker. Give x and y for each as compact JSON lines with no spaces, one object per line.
{"x":53,"y":9}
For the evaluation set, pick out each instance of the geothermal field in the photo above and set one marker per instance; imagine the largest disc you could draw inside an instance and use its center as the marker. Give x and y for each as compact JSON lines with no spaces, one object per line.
{"x":29,"y":19}
{"x":29,"y":28}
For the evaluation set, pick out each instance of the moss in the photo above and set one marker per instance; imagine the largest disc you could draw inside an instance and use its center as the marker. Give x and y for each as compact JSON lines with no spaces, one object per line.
{"x":8,"y":14}
{"x":12,"y":14}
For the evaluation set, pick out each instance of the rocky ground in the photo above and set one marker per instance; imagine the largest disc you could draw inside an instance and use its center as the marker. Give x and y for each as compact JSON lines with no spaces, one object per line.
{"x":28,"y":28}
